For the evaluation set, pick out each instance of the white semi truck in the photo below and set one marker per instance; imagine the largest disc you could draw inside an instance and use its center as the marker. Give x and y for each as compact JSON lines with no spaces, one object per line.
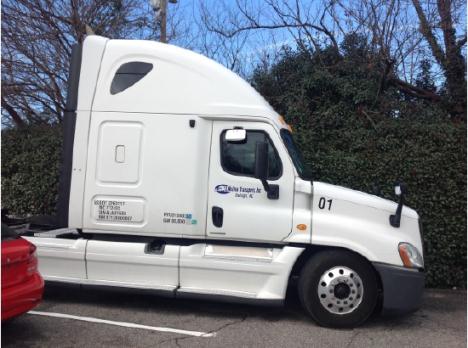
{"x":179,"y":177}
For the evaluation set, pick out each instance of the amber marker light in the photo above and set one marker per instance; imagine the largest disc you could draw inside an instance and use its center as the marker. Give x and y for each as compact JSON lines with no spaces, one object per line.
{"x":283,"y":122}
{"x":410,"y":256}
{"x":404,"y":256}
{"x":301,"y":227}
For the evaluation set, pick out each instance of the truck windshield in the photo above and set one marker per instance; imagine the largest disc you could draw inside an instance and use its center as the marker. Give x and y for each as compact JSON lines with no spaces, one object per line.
{"x":295,"y":154}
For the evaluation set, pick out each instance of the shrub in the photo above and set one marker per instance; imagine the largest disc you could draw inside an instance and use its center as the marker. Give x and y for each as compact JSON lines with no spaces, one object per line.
{"x":30,"y":169}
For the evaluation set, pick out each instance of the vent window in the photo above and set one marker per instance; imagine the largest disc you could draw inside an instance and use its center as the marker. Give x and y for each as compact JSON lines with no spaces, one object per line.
{"x":128,"y":74}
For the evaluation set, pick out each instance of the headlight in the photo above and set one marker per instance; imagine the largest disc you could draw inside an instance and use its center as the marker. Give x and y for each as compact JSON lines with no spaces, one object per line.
{"x":410,"y":256}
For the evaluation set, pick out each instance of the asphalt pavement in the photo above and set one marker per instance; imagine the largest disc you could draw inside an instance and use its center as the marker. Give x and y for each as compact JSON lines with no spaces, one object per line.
{"x":103,"y":318}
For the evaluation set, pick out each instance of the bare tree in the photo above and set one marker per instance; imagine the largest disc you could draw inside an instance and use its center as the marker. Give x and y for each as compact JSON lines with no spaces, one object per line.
{"x":391,"y":27}
{"x":304,"y":21}
{"x":37,"y":38}
{"x":228,"y":51}
{"x":405,"y":34}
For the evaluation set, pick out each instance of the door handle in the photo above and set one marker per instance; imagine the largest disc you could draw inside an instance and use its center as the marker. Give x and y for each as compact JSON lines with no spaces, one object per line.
{"x":217,"y":216}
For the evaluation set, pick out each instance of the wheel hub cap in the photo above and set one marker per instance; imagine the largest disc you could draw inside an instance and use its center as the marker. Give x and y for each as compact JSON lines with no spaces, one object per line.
{"x":340,"y":290}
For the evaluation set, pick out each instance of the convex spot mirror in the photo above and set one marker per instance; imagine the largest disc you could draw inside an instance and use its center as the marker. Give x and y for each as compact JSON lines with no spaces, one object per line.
{"x":400,"y":189}
{"x":235,"y":135}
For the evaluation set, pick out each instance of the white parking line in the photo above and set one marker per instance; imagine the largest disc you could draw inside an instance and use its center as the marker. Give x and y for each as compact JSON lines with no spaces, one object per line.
{"x":124,"y":324}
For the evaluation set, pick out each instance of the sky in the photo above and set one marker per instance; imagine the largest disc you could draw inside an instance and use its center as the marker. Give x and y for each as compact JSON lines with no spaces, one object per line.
{"x":254,"y":45}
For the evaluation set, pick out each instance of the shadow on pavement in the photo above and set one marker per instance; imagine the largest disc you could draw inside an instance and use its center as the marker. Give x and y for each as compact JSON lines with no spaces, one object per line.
{"x":145,"y":301}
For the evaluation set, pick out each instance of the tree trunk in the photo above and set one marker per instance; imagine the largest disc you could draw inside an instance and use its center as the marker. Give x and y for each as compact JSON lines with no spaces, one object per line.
{"x":451,"y":59}
{"x":455,"y":65}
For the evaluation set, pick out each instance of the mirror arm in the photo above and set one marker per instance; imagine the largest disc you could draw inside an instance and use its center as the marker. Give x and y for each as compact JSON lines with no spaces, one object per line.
{"x":265,"y":184}
{"x":395,"y":219}
{"x":272,"y":191}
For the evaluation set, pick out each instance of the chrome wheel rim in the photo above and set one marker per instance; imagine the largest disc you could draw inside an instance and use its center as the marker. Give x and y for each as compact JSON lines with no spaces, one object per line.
{"x":340,"y":290}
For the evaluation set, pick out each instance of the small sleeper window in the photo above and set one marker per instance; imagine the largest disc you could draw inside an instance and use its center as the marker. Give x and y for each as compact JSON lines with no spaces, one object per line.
{"x":128,"y":74}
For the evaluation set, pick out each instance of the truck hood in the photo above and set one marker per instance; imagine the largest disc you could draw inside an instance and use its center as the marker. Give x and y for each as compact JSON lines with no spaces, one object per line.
{"x":360,"y":222}
{"x":363,"y":199}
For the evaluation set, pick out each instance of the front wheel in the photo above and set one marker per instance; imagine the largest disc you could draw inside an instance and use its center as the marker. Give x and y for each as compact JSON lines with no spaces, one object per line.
{"x":338,"y":288}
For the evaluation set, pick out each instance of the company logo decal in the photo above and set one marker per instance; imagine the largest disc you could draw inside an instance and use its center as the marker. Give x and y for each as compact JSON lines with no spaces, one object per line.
{"x":223,"y":189}
{"x":239,"y":191}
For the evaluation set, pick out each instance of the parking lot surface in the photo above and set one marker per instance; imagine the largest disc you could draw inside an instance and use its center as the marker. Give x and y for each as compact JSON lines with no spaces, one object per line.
{"x":94,"y":318}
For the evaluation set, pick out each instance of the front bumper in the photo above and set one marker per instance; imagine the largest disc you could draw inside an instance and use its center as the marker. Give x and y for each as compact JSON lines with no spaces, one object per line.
{"x":402,"y":288}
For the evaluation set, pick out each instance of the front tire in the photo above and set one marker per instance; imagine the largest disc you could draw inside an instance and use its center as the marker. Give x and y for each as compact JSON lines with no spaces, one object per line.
{"x":338,"y":289}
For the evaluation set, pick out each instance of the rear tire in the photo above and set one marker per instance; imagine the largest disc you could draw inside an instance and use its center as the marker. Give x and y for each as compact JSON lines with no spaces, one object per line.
{"x":338,"y":289}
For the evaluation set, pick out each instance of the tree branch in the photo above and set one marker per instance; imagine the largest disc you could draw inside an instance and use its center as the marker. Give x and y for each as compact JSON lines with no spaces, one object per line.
{"x":16,"y":118}
{"x":461,"y":42}
{"x":414,"y":91}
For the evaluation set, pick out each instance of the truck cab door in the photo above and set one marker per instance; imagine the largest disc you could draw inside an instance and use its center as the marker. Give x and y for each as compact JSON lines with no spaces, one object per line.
{"x":238,"y":206}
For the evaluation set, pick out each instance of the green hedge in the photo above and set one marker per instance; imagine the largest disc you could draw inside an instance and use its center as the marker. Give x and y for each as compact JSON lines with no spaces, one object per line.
{"x":30,"y":169}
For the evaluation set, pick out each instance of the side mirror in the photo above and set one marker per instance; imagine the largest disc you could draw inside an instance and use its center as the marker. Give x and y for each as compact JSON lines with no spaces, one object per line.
{"x":235,"y":135}
{"x":261,"y":170}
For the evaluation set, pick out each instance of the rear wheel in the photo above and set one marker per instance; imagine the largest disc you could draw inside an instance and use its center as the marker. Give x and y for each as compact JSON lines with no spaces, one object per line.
{"x":338,"y":288}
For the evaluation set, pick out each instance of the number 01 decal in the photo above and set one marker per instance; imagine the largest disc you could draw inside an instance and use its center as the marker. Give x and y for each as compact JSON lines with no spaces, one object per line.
{"x":323,"y":202}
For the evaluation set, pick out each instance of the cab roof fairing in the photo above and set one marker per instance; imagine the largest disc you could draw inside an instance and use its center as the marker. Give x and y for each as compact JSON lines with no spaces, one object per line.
{"x":181,"y":82}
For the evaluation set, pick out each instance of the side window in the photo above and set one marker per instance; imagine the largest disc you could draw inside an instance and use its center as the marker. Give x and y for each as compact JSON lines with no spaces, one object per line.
{"x":238,"y":158}
{"x":128,"y":74}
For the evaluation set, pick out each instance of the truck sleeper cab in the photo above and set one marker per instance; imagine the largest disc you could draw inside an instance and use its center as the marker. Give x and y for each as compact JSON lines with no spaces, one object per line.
{"x":179,"y":177}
